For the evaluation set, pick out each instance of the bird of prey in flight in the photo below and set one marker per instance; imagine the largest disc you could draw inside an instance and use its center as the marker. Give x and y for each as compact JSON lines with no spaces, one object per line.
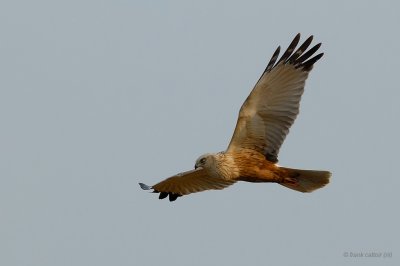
{"x":263,"y":123}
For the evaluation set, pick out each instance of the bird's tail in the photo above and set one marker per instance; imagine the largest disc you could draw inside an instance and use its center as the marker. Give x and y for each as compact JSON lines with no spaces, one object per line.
{"x":305,"y":180}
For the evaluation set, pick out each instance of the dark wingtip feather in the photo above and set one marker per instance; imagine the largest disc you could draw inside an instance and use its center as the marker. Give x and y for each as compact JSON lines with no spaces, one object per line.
{"x":308,"y":54}
{"x":273,"y":59}
{"x":144,"y":186}
{"x":307,"y":66}
{"x":290,"y":48}
{"x":173,"y":197}
{"x":300,"y":50}
{"x":163,"y":195}
{"x":297,"y":58}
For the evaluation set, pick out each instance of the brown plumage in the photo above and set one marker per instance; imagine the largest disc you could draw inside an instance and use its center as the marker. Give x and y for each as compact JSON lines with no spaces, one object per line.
{"x":264,"y":121}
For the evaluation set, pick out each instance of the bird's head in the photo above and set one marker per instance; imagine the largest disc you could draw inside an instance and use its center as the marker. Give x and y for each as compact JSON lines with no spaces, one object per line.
{"x":205,"y":161}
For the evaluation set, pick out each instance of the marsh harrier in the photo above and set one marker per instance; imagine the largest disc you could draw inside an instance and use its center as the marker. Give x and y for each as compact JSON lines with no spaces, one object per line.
{"x":264,"y":121}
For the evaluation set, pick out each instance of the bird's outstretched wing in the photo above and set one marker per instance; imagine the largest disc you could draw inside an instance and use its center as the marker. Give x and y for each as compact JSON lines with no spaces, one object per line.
{"x":187,"y":182}
{"x":273,"y":104}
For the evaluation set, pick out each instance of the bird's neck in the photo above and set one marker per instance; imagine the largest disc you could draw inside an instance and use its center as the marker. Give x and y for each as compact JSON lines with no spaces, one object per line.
{"x":224,"y":166}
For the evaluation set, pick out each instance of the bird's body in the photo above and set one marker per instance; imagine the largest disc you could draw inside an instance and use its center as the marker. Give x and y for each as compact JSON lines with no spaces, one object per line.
{"x":250,"y":166}
{"x":254,"y":167}
{"x":247,"y":165}
{"x":264,"y":121}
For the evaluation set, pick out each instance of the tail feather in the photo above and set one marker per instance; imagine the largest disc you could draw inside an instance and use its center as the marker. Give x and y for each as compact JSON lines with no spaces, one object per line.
{"x":305,"y":180}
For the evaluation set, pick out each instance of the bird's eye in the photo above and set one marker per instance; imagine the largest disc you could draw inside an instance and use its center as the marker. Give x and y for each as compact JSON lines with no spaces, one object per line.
{"x":202,"y":160}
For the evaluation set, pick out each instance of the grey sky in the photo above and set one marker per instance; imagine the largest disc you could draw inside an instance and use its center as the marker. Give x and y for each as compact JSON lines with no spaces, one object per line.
{"x":96,"y":96}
